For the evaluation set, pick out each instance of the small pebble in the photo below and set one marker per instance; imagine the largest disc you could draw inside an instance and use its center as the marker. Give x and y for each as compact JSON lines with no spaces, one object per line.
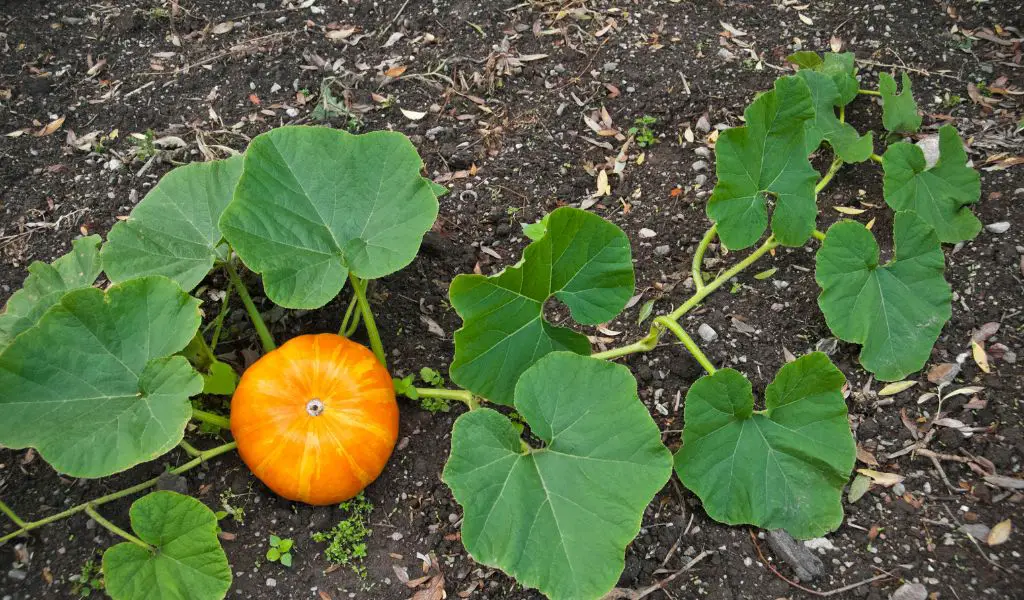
{"x":17,"y":575}
{"x":647,"y":233}
{"x":898,"y":489}
{"x":662,"y":250}
{"x":998,"y":227}
{"x":271,"y":582}
{"x":706,"y":333}
{"x":700,"y":165}
{"x":910,"y":591}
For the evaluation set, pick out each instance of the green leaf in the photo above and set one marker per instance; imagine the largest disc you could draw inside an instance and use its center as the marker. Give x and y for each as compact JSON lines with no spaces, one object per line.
{"x":314,"y":203}
{"x":188,"y":561}
{"x":286,"y":559}
{"x":858,"y":488}
{"x":437,"y":189}
{"x":844,"y":139}
{"x":273,"y":554}
{"x":941,"y":195}
{"x":895,"y":310}
{"x":767,"y":157}
{"x":93,"y":386}
{"x":558,"y":518}
{"x":274,"y":540}
{"x":285,"y":545}
{"x":781,"y":468}
{"x":47,"y":283}
{"x":805,"y":59}
{"x":406,"y":387}
{"x":221,"y":380}
{"x":841,"y":68}
{"x":535,"y":231}
{"x":899,"y":111}
{"x":582,"y":260}
{"x":173,"y":231}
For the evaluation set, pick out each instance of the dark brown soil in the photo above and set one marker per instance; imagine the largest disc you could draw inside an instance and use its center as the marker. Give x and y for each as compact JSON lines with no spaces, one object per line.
{"x":523,"y":135}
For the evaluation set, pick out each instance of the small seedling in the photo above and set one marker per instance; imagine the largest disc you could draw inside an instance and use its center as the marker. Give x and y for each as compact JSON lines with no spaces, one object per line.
{"x":280,"y":550}
{"x":90,"y":580}
{"x":236,"y":513}
{"x":145,"y":147}
{"x":346,"y":541}
{"x":641,"y":131}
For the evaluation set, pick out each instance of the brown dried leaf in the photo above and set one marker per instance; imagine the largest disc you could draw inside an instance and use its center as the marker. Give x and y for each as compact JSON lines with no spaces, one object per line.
{"x":943,"y":373}
{"x":978,"y":352}
{"x":433,"y":591}
{"x":865,"y":456}
{"x":1000,"y":533}
{"x":396,"y":71}
{"x":880,"y":478}
{"x":51,"y":127}
{"x":985,"y":331}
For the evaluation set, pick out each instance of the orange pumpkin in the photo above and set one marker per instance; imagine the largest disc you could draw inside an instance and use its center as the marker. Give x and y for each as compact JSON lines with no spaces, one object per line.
{"x":316,"y":419}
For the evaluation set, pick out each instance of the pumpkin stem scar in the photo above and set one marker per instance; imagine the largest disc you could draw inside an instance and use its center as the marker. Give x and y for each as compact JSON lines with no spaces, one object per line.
{"x":315,"y":407}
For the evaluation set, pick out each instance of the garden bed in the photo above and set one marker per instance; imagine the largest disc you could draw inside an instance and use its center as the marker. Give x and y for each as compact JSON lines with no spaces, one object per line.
{"x":512,"y":144}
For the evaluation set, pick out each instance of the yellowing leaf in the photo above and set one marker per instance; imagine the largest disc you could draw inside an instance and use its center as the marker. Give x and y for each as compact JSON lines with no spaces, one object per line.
{"x":847,"y":210}
{"x":980,"y":357}
{"x":50,"y":128}
{"x":880,"y":478}
{"x":806,"y":20}
{"x":1000,"y":533}
{"x":870,"y":224}
{"x":396,"y":71}
{"x":603,"y":187}
{"x":897,"y":387}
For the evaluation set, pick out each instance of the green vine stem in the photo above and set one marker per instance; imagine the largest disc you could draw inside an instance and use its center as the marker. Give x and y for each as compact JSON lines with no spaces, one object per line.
{"x":869,"y":92}
{"x":687,"y":341}
{"x":347,"y":321}
{"x":204,"y":350}
{"x":371,"y":325}
{"x":204,"y":456}
{"x":211,"y":419}
{"x":96,"y":516}
{"x":646,"y":344}
{"x":218,"y":322}
{"x":464,"y":396}
{"x":818,"y":235}
{"x":876,"y":158}
{"x":189,"y":448}
{"x":13,"y":516}
{"x":832,"y":170}
{"x":250,"y":307}
{"x":698,"y":256}
{"x":699,"y":295}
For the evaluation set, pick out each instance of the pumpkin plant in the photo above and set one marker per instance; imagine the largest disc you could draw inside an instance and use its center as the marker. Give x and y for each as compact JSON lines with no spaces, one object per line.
{"x":312,"y":209}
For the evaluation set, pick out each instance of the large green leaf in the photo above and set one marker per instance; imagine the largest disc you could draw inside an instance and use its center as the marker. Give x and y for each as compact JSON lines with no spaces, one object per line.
{"x":941,"y":195}
{"x":314,"y":203}
{"x":899,"y":111}
{"x":186,"y":563}
{"x":581,"y":259}
{"x":780,"y":468}
{"x":558,"y":518}
{"x":844,"y":139}
{"x":840,"y":67}
{"x":767,"y":158}
{"x":896,"y":310}
{"x":93,"y":385}
{"x":173,"y":231}
{"x":46,"y":283}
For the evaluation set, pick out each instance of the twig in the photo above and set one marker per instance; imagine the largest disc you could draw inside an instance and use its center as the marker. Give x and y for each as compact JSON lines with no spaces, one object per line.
{"x":628,"y":594}
{"x":399,"y":14}
{"x":905,"y":68}
{"x":846,"y":588}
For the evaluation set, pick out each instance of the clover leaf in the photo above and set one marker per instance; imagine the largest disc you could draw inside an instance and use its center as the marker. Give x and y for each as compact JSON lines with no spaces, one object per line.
{"x":186,"y":560}
{"x":173,"y":230}
{"x":895,"y":310}
{"x":899,"y":111}
{"x":558,"y":518}
{"x":581,"y":259}
{"x":47,"y":283}
{"x":848,"y":145}
{"x":93,"y":386}
{"x":941,"y":195}
{"x":767,"y":158}
{"x":780,"y":468}
{"x":314,"y":204}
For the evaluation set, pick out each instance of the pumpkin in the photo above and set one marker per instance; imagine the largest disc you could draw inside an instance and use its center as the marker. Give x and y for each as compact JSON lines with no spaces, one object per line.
{"x":316,"y":419}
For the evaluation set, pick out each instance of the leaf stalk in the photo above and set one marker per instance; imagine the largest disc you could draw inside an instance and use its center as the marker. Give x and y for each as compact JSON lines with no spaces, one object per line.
{"x":250,"y":307}
{"x":464,"y":396}
{"x":96,"y":516}
{"x":211,"y":419}
{"x":371,"y":325}
{"x":688,"y":342}
{"x":698,"y":256}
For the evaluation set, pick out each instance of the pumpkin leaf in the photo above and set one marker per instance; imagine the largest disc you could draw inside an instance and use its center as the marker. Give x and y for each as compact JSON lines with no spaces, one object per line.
{"x":581,"y":259}
{"x":895,"y":310}
{"x":840,"y":67}
{"x":93,"y":386}
{"x":437,"y":189}
{"x":844,"y":139}
{"x":187,"y":560}
{"x":941,"y":195}
{"x":314,"y":203}
{"x":899,"y":111}
{"x":781,"y":468}
{"x":535,"y":512}
{"x":767,"y":158}
{"x":221,"y":379}
{"x":47,"y":283}
{"x":173,"y":230}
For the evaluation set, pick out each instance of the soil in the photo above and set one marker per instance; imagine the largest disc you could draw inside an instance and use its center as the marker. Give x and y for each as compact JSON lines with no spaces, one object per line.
{"x":511,"y":143}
